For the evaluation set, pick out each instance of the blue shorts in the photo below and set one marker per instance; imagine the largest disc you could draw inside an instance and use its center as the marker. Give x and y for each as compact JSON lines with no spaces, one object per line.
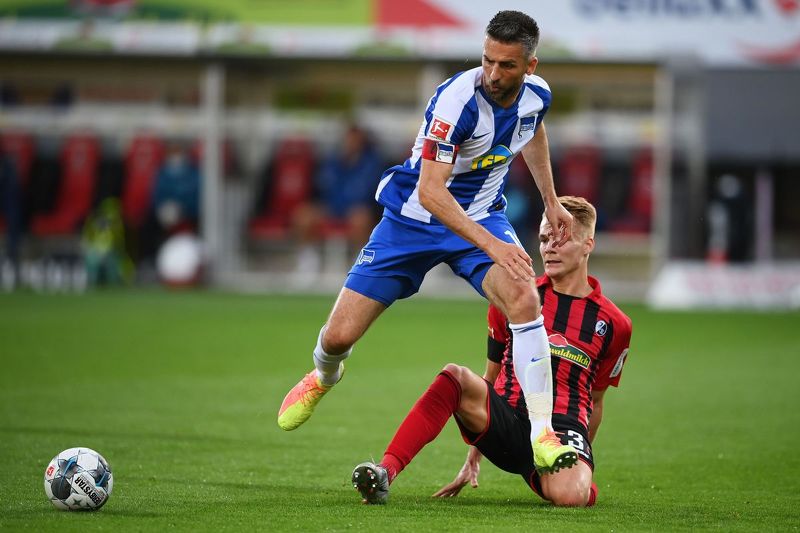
{"x":400,"y":252}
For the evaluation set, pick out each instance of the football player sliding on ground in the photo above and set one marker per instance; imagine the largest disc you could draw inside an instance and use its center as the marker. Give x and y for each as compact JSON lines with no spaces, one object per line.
{"x":589,"y":339}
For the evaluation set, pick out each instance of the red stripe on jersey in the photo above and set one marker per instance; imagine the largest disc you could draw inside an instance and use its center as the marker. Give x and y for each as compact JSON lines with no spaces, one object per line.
{"x":560,"y":375}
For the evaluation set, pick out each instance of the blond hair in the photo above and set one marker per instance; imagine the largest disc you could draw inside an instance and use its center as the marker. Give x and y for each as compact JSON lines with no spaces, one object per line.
{"x":582,"y":211}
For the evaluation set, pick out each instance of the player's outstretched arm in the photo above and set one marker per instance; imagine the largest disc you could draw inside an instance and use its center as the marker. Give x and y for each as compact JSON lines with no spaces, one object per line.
{"x":537,"y":157}
{"x":468,"y":474}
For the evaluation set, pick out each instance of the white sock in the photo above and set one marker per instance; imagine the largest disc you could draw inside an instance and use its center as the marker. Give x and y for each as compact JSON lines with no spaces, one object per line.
{"x":531,"y":355}
{"x":328,"y":365}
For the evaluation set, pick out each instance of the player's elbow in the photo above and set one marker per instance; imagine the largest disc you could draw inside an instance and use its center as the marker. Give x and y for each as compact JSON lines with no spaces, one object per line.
{"x":431,"y":192}
{"x":426,"y":195}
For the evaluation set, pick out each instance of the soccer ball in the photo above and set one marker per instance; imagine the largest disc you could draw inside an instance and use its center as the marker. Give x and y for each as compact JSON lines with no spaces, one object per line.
{"x":180,"y":260}
{"x":78,"y":479}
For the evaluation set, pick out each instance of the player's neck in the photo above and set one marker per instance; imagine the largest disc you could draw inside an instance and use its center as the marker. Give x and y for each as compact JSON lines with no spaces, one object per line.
{"x":510,"y":101}
{"x":573,"y":284}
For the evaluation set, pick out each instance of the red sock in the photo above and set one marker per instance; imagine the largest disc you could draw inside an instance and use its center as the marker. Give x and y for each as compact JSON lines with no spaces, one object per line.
{"x":592,"y":495}
{"x":423,"y":423}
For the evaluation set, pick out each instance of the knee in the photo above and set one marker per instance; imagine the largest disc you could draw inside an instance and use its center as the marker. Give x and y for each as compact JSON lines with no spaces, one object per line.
{"x":459,"y":373}
{"x":565,"y":496}
{"x":522,"y":303}
{"x":337,"y":341}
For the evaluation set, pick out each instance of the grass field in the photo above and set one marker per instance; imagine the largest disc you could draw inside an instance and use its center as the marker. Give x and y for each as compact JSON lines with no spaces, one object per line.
{"x":180,"y":392}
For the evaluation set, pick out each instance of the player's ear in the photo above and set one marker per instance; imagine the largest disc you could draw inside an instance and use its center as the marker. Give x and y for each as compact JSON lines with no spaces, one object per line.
{"x":588,"y":245}
{"x":532,"y":65}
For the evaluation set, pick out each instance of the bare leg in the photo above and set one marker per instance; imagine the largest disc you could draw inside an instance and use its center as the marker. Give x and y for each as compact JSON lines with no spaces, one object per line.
{"x":519,"y":301}
{"x":350,"y":317}
{"x":352,"y":314}
{"x":472,"y":411}
{"x":455,"y":391}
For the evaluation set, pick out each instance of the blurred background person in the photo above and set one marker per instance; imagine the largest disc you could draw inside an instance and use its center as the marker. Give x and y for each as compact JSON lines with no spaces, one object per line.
{"x":175,"y":205}
{"x":103,"y":246}
{"x":343,"y":203}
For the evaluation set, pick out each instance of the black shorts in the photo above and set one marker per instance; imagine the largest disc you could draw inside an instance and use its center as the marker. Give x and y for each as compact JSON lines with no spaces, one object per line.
{"x":506,"y":441}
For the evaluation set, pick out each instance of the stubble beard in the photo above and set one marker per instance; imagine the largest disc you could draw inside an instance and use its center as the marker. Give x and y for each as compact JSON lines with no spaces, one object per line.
{"x":504,"y":96}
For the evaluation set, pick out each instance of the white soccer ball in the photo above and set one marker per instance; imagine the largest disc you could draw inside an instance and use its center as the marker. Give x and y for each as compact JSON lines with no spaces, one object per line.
{"x":180,"y":260}
{"x":78,"y":479}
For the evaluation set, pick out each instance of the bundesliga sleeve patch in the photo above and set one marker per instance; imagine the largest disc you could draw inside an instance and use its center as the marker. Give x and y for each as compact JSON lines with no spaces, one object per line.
{"x":440,"y":129}
{"x":438,"y":151}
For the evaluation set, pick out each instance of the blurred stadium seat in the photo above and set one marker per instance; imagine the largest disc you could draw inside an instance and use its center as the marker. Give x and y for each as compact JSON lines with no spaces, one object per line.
{"x":142,"y":161}
{"x":639,"y":207}
{"x":580,"y":172}
{"x":19,"y":147}
{"x":80,"y":156}
{"x":289,"y":186}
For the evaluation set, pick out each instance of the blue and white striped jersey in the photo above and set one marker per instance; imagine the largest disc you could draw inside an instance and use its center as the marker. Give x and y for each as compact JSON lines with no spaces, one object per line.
{"x":487,"y":136}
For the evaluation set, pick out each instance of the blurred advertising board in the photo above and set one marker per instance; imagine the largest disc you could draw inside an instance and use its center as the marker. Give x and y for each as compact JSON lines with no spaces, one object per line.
{"x":718,"y":32}
{"x":701,"y":285}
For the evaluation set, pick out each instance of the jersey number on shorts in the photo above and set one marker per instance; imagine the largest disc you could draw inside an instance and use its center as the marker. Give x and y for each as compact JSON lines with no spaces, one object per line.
{"x":513,"y":238}
{"x":576,"y":440}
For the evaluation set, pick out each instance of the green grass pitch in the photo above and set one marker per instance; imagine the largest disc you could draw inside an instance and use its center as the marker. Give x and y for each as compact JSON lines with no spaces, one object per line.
{"x":180,"y":391}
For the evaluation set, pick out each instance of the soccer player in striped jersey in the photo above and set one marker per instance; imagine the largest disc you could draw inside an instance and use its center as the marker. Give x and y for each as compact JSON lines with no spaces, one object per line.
{"x":589,"y":339}
{"x":445,"y":204}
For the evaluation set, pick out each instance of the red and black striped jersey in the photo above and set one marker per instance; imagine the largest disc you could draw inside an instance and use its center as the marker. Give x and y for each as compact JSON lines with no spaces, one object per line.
{"x":589,"y":340}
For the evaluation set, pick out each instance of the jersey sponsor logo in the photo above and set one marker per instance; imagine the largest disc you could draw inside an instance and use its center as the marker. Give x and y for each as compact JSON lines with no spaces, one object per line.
{"x":560,"y":347}
{"x":600,"y":328}
{"x":683,"y":10}
{"x":440,"y":129}
{"x":494,"y":157}
{"x":365,"y":256}
{"x":527,"y":123}
{"x":618,"y":367}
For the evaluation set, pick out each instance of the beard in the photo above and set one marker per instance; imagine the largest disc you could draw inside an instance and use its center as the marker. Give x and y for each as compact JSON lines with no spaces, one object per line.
{"x":499,"y":94}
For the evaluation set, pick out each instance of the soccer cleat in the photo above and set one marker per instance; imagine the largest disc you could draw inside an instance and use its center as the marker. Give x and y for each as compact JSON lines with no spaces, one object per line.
{"x":299,"y":403}
{"x":372,"y":482}
{"x":550,"y":456}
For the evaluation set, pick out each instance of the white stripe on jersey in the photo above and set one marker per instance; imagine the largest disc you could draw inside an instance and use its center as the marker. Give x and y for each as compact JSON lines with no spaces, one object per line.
{"x":479,"y":208}
{"x":450,"y":102}
{"x":383,"y":183}
{"x":412,"y":208}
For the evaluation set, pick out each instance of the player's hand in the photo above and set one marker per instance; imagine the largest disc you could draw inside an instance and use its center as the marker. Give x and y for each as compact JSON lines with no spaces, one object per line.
{"x":514,"y":259}
{"x":558,"y":217}
{"x":468,"y":474}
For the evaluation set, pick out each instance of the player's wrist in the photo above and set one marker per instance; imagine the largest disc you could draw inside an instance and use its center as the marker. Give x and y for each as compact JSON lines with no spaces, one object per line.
{"x":550,"y":202}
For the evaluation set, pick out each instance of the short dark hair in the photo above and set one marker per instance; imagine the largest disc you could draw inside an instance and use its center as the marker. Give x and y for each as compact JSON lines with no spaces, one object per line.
{"x":515,"y":27}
